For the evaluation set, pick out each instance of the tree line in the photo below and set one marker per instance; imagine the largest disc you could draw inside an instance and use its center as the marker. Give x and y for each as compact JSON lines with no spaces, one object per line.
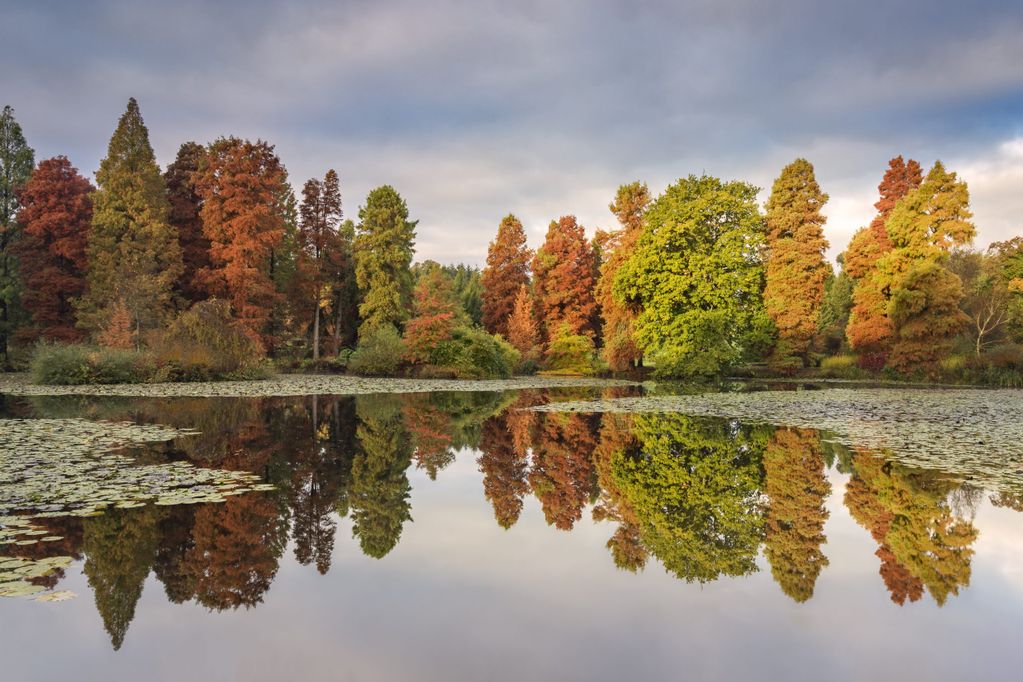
{"x":695,"y":282}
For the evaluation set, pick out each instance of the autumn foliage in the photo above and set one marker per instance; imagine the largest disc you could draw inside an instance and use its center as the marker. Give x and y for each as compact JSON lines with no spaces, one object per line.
{"x":564,"y":274}
{"x":523,"y":329}
{"x":55,"y":215}
{"x":507,"y":270}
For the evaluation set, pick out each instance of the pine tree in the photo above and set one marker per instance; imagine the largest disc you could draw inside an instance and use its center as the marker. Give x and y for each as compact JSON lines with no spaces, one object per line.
{"x":795,"y":268}
{"x":16,"y":161}
{"x":924,"y":295}
{"x":184,"y":216}
{"x":507,"y":269}
{"x":134,"y":256}
{"x":55,"y":217}
{"x":564,"y":271}
{"x":869,"y":330}
{"x":244,"y":190}
{"x":323,"y":256}
{"x":620,"y":350}
{"x":384,"y":245}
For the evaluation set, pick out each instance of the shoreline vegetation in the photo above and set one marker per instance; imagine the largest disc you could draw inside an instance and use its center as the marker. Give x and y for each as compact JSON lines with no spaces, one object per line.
{"x":214,"y":269}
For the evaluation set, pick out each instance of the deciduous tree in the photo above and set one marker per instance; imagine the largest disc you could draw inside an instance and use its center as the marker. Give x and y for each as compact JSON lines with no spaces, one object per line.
{"x":523,"y":329}
{"x":697,"y":274}
{"x":436,"y":316}
{"x":620,"y":350}
{"x":16,"y":161}
{"x":564,"y":275}
{"x":55,"y":218}
{"x":795,"y":268}
{"x":242,"y":186}
{"x":507,"y":269}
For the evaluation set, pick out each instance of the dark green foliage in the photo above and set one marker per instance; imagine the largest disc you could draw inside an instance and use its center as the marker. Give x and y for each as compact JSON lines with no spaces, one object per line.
{"x":16,"y":161}
{"x":78,"y":364}
{"x":379,"y":352}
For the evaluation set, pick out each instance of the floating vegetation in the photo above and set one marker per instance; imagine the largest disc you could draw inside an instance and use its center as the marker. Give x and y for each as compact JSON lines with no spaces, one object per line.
{"x":62,"y":467}
{"x":973,"y":434}
{"x":17,"y":574}
{"x":296,"y":385}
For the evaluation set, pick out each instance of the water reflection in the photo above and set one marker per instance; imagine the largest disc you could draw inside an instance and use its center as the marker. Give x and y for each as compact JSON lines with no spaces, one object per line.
{"x":703,"y":497}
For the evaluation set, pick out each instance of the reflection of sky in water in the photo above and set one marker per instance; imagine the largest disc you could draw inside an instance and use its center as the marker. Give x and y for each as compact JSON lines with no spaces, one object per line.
{"x":461,"y":598}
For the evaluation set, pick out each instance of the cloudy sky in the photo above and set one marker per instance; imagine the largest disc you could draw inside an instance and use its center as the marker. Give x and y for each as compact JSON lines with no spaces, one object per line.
{"x":473,"y":109}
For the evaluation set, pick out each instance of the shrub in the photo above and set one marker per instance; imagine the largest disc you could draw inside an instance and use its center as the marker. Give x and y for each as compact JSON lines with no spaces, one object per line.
{"x":483,"y":356}
{"x":841,"y":367}
{"x":81,"y":364}
{"x":379,"y":353}
{"x":206,"y":343}
{"x":570,"y":353}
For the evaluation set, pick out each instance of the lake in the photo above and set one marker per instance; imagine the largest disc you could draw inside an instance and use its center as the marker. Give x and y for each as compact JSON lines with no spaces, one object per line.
{"x":574,"y":532}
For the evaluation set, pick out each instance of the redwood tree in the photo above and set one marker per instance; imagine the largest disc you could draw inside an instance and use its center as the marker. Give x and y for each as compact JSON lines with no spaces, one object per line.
{"x":523,"y":330}
{"x":620,"y":348}
{"x":240,"y":183}
{"x":184,"y":216}
{"x":507,"y":269}
{"x":795,"y":268}
{"x":564,"y":272}
{"x":869,"y":330}
{"x":55,"y":217}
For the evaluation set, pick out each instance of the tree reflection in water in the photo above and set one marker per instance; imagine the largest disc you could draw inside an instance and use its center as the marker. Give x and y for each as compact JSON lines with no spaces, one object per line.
{"x":703,"y":497}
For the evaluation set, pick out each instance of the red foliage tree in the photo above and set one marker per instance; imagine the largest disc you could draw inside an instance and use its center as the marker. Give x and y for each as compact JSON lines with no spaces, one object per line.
{"x":869,"y":330}
{"x":240,"y":183}
{"x":184,"y":216}
{"x":507,"y":270}
{"x":504,"y":467}
{"x":565,"y":272}
{"x":562,"y":473}
{"x":523,"y":330}
{"x":436,"y":313}
{"x":55,"y":215}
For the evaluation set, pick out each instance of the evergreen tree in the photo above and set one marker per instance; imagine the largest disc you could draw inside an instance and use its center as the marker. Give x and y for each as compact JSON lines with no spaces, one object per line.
{"x":16,"y":161}
{"x":564,"y":275}
{"x":184,"y":216}
{"x":55,"y":216}
{"x":869,"y":330}
{"x":384,"y":244}
{"x":620,"y":350}
{"x":244,"y":192}
{"x":795,"y":268}
{"x":697,"y":274}
{"x":323,"y":256}
{"x":134,"y":256}
{"x":924,"y":295}
{"x":507,"y":269}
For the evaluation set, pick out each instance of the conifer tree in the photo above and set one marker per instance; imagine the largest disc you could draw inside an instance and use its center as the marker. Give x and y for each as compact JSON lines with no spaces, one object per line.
{"x":244,"y":191}
{"x":436,"y":315}
{"x":323,"y":257}
{"x":795,"y":268}
{"x":55,"y":217}
{"x":564,"y":275}
{"x":134,"y":256}
{"x":184,"y":216}
{"x":869,"y":330}
{"x":924,"y":294}
{"x":523,"y":330}
{"x":384,"y":245}
{"x":16,"y":161}
{"x":620,"y":350}
{"x":507,"y":269}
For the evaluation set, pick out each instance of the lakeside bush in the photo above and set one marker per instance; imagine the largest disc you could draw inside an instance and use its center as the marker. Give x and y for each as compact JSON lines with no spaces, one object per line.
{"x":842,"y":367}
{"x":73,"y":365}
{"x":380,"y":353}
{"x":572,"y":354}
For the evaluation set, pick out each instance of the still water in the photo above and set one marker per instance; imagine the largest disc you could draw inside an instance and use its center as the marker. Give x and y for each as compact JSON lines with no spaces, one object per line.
{"x":457,"y":536}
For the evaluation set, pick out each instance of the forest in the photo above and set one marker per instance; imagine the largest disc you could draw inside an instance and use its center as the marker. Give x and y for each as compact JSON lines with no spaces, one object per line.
{"x":213,"y":269}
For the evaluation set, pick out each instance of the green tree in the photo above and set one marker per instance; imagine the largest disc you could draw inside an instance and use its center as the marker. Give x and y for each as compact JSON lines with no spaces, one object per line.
{"x":694,"y":487}
{"x":796,"y":269}
{"x":384,"y":244}
{"x":835,"y":311}
{"x":16,"y":162}
{"x":697,"y":274}
{"x":134,"y":255}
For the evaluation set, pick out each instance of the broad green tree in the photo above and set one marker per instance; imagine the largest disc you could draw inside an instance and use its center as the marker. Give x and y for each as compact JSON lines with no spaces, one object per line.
{"x":698,"y":277}
{"x":796,"y":269}
{"x":134,"y":255}
{"x":384,"y":244}
{"x":16,"y":161}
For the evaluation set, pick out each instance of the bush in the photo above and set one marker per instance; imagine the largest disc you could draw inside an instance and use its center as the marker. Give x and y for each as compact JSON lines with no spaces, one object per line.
{"x":841,"y":367}
{"x":379,"y":353}
{"x":82,"y":364}
{"x":206,"y":343}
{"x":483,"y":356}
{"x":570,"y":353}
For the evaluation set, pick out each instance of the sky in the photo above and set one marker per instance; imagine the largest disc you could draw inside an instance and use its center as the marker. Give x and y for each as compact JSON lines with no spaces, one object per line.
{"x":474,"y":109}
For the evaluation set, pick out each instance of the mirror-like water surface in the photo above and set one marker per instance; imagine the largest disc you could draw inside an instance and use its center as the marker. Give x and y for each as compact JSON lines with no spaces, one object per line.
{"x":459,"y":536}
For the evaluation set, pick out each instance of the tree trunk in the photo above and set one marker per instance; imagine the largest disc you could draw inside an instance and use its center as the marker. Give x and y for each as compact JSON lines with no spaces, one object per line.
{"x":316,"y":334}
